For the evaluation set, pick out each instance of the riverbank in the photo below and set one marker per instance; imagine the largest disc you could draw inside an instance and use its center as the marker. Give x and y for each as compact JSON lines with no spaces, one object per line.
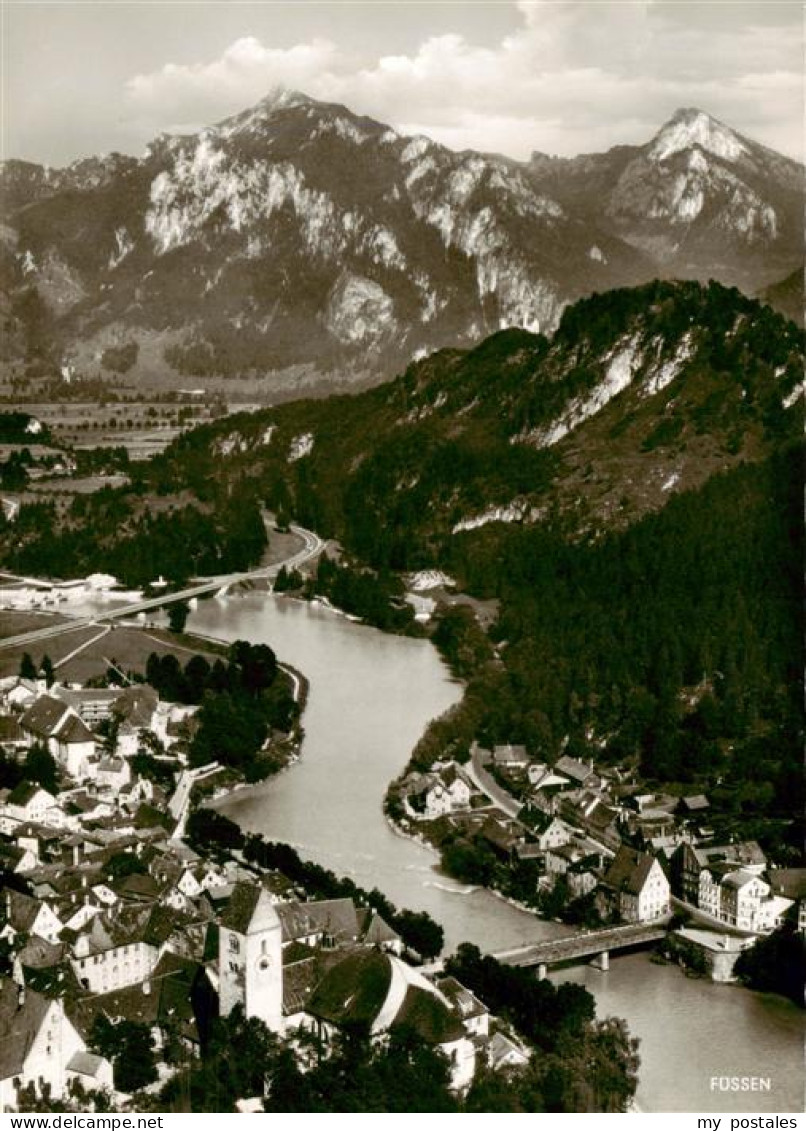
{"x":372,"y":696}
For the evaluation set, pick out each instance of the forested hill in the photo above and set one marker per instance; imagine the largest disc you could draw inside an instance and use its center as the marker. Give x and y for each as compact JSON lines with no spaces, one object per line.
{"x":629,"y":489}
{"x":639,"y":395}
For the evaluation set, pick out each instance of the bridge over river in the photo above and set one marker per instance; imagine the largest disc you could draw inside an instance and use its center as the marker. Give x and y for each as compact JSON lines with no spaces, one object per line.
{"x":597,"y":945}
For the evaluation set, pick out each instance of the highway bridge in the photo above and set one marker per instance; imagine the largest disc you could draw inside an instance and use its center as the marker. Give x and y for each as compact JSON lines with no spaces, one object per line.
{"x":598,"y":945}
{"x":312,"y":545}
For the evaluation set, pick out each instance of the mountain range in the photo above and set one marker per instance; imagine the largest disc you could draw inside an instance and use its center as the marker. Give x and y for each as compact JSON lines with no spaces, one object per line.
{"x":301,"y":241}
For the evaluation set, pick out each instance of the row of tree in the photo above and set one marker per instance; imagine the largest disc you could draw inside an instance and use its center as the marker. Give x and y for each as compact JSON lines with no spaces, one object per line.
{"x":209,"y":830}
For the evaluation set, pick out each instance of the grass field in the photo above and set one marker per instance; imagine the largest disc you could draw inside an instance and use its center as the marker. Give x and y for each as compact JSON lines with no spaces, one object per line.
{"x":125,"y":647}
{"x":12,"y":622}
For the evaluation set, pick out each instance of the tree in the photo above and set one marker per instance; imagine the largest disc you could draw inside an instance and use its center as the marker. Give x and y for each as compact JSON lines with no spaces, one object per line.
{"x":775,"y":964}
{"x":177,"y":615}
{"x":27,"y":667}
{"x":46,"y":671}
{"x":123,"y":864}
{"x":421,"y":932}
{"x":41,"y":767}
{"x":129,"y":1045}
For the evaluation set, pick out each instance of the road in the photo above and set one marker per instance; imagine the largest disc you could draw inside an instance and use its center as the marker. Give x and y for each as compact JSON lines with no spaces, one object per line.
{"x":313,"y":545}
{"x":487,"y":784}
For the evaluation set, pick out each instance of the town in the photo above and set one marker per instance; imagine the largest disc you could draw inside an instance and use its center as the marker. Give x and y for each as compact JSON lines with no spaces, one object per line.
{"x":592,"y":844}
{"x":121,"y":939}
{"x":109,"y":916}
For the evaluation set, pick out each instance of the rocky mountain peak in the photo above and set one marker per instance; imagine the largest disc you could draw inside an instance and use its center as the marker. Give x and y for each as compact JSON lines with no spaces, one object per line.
{"x":690,"y":127}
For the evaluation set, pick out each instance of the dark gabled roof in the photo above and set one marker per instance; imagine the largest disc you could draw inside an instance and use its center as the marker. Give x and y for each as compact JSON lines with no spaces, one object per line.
{"x":602,"y":816}
{"x":39,"y":953}
{"x":375,"y":930}
{"x":629,"y":870}
{"x":746,"y":852}
{"x":20,"y":1022}
{"x":136,"y":705}
{"x":354,"y":990}
{"x":790,"y":882}
{"x":428,"y":1016}
{"x":165,"y":995}
{"x":572,"y":768}
{"x":24,"y":791}
{"x":57,"y":981}
{"x":20,"y":910}
{"x":43,"y":833}
{"x":10,"y":729}
{"x":300,"y":978}
{"x":452,"y":773}
{"x":11,"y":855}
{"x":297,"y":952}
{"x":498,"y":836}
{"x":138,"y":886}
{"x":463,"y":999}
{"x":43,"y":716}
{"x":74,"y":730}
{"x":338,"y":918}
{"x":161,"y":923}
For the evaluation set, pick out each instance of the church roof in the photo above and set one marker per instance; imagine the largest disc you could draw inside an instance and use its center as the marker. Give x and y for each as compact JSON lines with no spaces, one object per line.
{"x":249,"y":910}
{"x":382,"y":992}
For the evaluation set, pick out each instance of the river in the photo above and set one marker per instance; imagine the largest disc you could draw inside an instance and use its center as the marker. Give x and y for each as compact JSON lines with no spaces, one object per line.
{"x":371,"y":696}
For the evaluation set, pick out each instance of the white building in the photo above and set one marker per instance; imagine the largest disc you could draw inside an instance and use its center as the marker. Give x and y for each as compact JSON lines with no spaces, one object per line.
{"x":39,"y":1045}
{"x":639,"y":885}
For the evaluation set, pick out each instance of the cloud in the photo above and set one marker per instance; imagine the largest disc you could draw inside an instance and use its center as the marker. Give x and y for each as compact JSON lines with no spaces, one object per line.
{"x":242,"y":75}
{"x":572,"y":77}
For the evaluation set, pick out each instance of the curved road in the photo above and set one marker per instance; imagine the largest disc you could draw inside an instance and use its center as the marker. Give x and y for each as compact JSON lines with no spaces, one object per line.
{"x":313,"y":545}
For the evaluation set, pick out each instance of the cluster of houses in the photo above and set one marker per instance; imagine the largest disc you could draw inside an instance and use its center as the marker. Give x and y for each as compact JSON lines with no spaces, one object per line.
{"x":66,"y":721}
{"x":178,"y":941}
{"x":599,"y":831}
{"x":106,"y":912}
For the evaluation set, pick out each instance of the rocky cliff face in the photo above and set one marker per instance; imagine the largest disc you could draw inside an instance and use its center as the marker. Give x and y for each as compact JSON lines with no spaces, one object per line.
{"x":299,"y":234}
{"x":699,"y":198}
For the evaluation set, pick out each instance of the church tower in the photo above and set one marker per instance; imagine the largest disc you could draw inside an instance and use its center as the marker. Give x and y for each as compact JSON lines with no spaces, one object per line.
{"x":250,"y":957}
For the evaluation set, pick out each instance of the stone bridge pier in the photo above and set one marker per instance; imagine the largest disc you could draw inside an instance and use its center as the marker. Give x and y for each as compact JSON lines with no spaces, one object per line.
{"x":602,"y":961}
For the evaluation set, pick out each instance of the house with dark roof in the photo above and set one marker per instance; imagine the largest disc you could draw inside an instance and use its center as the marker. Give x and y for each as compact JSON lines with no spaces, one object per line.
{"x":28,"y":801}
{"x":39,"y":1045}
{"x":92,"y":704}
{"x":577,"y":772}
{"x":134,"y":708}
{"x":176,"y":997}
{"x":24,"y":915}
{"x":638,"y":886}
{"x":503,"y":1052}
{"x":60,"y":727}
{"x":474,"y":1013}
{"x":689,"y":860}
{"x":14,"y":858}
{"x":335,"y":922}
{"x":121,"y":947}
{"x":510,"y":757}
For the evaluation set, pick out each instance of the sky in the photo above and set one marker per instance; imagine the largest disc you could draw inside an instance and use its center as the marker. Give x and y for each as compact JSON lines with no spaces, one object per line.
{"x":558,"y":76}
